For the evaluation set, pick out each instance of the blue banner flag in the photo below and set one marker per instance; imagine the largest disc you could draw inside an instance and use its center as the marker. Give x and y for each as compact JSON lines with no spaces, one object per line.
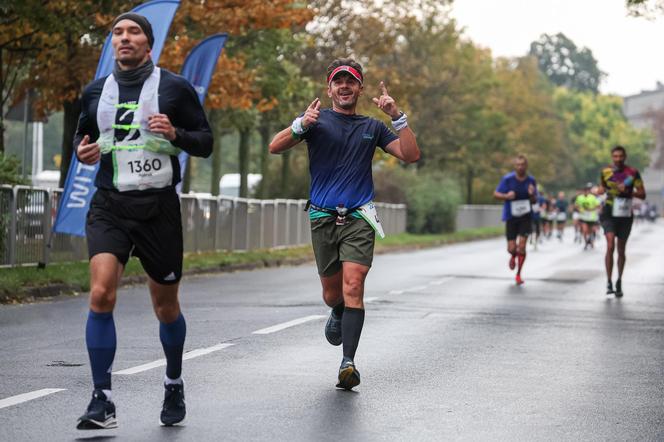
{"x":79,"y":186}
{"x":198,"y":68}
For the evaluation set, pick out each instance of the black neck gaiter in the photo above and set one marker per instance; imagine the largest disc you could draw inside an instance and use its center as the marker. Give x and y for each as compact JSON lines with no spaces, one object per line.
{"x":133,"y":77}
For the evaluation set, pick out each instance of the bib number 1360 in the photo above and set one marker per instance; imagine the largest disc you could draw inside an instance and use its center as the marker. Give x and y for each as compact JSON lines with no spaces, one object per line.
{"x":147,"y":165}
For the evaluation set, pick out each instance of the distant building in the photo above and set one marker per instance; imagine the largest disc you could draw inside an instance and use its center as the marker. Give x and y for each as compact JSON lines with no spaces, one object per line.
{"x":646,"y":110}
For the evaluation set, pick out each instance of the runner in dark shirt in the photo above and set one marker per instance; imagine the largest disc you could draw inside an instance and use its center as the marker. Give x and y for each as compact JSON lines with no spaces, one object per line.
{"x":341,"y":146}
{"x":139,"y":118}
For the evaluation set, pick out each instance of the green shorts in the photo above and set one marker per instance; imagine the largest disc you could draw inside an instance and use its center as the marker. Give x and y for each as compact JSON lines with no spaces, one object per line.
{"x":353,"y":242}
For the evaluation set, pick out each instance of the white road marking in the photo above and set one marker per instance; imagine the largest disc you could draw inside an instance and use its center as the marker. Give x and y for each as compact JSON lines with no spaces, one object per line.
{"x":416,"y":288}
{"x":25,"y":397}
{"x":441,"y":281}
{"x":161,"y":362}
{"x":282,"y":326}
{"x":396,"y":292}
{"x":371,"y":299}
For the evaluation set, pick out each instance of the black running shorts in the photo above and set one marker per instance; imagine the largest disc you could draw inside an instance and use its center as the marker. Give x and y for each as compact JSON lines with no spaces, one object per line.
{"x":621,"y":227}
{"x":148,"y":227}
{"x":522,"y":226}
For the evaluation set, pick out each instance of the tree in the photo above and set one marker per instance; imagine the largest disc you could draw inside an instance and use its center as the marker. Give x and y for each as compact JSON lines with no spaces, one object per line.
{"x":596,"y":123}
{"x":248,"y":62}
{"x":9,"y":170}
{"x":534,"y":127}
{"x":645,"y":8}
{"x":67,"y":38}
{"x":565,"y":64}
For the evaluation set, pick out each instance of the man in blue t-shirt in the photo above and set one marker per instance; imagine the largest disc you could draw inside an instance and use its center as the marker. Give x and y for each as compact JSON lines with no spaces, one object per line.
{"x":519,"y":191}
{"x":341,"y":146}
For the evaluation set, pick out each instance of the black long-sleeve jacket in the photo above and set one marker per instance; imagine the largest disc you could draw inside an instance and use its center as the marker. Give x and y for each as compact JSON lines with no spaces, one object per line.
{"x":177,"y":99}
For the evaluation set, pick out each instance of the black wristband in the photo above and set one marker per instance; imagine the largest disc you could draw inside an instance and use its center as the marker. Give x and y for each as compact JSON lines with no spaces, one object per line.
{"x":400,"y":115}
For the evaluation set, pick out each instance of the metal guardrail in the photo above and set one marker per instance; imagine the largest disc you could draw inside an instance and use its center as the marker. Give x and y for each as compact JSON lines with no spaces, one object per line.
{"x":208,"y":223}
{"x":478,"y":215}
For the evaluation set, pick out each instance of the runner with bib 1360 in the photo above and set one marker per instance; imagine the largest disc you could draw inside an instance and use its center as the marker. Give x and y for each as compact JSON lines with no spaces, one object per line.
{"x":519,"y":191}
{"x":341,"y":145}
{"x":139,"y":117}
{"x":621,"y":183}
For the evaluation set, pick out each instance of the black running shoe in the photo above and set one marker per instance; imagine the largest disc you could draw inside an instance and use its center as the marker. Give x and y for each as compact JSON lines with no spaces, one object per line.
{"x":173,"y":410}
{"x":609,"y":288}
{"x":100,"y":414}
{"x":619,"y":292}
{"x":349,"y":377}
{"x":333,"y":329}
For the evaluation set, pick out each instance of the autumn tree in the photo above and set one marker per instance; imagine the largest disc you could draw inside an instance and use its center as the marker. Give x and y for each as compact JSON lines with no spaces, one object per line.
{"x":237,"y":85}
{"x":67,"y":38}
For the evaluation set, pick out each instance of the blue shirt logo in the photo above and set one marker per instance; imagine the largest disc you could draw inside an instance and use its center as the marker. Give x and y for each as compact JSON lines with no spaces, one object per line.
{"x":367,"y":136}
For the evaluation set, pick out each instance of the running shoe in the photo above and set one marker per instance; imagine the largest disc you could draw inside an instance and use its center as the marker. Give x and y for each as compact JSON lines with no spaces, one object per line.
{"x":512,"y":262}
{"x":173,"y":411}
{"x":619,"y":292}
{"x":519,"y":281}
{"x":609,"y":288}
{"x":349,"y":377}
{"x":333,"y":329}
{"x":100,"y":414}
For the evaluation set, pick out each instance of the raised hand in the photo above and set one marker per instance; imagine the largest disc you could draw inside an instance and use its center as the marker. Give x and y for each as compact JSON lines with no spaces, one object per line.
{"x":88,"y":153}
{"x":386,"y":103}
{"x":311,"y":114}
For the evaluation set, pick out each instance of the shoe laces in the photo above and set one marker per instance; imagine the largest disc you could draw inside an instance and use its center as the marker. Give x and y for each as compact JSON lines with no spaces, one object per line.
{"x":174,"y":396}
{"x":98,"y":401}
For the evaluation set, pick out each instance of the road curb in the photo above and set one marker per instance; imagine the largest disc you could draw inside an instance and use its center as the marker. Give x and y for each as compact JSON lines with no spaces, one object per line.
{"x":40,"y":293}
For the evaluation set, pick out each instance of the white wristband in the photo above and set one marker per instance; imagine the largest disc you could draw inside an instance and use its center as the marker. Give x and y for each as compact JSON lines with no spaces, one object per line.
{"x":401,"y":122}
{"x":296,"y":127}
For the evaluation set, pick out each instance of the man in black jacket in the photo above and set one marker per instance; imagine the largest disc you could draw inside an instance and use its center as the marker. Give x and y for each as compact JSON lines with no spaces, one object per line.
{"x":140,"y":117}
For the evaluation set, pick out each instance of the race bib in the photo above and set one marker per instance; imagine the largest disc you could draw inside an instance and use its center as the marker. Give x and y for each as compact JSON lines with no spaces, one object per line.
{"x":370,"y":215}
{"x":622,"y":207}
{"x":536,"y":208}
{"x":140,"y":169}
{"x":520,"y":207}
{"x":561,"y":217}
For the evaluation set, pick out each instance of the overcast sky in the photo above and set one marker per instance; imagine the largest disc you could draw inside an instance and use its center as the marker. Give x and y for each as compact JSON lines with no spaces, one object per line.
{"x":627,"y":48}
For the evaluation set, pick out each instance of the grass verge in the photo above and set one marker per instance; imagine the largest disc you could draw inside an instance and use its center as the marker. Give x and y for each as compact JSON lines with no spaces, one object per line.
{"x":21,"y":284}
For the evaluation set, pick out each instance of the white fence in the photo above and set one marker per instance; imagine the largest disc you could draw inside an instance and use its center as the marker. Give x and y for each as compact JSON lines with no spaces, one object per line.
{"x":478,"y":215}
{"x":215,"y":223}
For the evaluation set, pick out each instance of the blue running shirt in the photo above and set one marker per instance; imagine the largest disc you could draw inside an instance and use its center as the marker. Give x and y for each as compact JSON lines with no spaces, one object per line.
{"x":341,"y":149}
{"x":511,"y":182}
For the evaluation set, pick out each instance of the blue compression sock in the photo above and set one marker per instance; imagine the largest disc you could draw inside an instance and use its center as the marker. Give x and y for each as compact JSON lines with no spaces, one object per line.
{"x":172,"y":340}
{"x":101,"y":341}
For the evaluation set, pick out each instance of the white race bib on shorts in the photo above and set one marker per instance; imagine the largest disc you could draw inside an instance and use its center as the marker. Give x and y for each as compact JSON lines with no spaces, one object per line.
{"x":519,"y":207}
{"x":622,"y":207}
{"x":370,"y":215}
{"x":561,"y":217}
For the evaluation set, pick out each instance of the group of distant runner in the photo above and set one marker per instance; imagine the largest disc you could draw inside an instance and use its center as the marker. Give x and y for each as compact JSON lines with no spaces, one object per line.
{"x":609,"y":203}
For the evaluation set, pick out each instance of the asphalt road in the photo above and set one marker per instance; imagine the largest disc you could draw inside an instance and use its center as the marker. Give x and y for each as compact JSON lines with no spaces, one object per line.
{"x":451,"y":349}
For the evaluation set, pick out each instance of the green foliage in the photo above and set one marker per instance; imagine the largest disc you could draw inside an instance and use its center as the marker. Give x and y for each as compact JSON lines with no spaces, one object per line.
{"x":432,"y":197}
{"x":432,"y":204}
{"x":9,"y":170}
{"x":565,"y":64}
{"x":596,"y":123}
